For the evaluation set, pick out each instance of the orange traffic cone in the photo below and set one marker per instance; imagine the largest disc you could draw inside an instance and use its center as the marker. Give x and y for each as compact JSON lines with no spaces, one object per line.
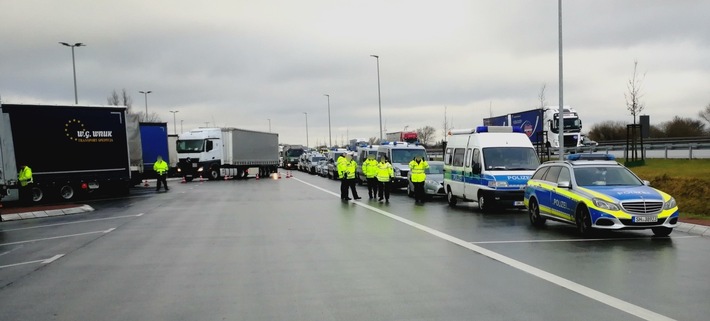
{"x":183,"y":180}
{"x":145,"y":183}
{"x":279,"y":175}
{"x":257,"y":176}
{"x":201,"y":179}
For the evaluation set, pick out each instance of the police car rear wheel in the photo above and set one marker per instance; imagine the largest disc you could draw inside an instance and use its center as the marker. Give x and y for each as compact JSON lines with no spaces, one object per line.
{"x":584,"y":221}
{"x":535,"y":218}
{"x":661,"y":231}
{"x":450,"y":198}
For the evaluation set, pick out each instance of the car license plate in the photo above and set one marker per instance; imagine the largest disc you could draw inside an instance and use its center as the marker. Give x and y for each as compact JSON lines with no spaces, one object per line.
{"x":194,"y":165}
{"x":646,"y":219}
{"x":93,"y":185}
{"x":518,"y":203}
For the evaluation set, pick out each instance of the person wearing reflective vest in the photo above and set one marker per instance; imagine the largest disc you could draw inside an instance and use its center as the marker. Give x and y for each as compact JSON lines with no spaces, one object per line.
{"x":161,"y":168}
{"x":417,"y":168}
{"x":385,"y":173}
{"x":369,"y":168}
{"x":25,"y":179}
{"x":350,"y":166}
{"x":340,"y":167}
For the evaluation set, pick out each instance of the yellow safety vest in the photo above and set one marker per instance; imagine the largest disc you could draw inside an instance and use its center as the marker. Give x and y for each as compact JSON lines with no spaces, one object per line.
{"x":341,"y":165}
{"x":418,"y":169}
{"x":369,"y":168}
{"x":385,"y":172}
{"x":25,"y":176}
{"x":350,"y":168}
{"x":160,"y":167}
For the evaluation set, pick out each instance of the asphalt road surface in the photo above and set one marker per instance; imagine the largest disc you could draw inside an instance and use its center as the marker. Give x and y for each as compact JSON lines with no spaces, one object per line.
{"x":289,"y":249}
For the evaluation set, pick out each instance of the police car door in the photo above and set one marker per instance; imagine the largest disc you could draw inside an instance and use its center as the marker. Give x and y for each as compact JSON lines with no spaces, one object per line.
{"x":562,"y":196}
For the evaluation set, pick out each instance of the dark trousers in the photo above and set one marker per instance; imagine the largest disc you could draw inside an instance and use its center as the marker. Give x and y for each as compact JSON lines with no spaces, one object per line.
{"x":372,"y":185}
{"x":418,"y":191}
{"x":162,"y":179}
{"x":384,"y":188}
{"x":343,"y":189}
{"x":351,"y":184}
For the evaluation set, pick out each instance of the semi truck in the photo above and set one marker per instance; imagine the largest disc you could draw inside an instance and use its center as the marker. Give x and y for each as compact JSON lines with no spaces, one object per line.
{"x":541,"y":125}
{"x":72,"y":150}
{"x":213,"y":153}
{"x":290,"y":155}
{"x":402,"y":136}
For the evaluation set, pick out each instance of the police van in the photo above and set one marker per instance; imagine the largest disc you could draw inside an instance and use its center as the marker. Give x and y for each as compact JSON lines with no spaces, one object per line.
{"x":400,"y":154}
{"x":489,"y":165}
{"x":360,"y":157}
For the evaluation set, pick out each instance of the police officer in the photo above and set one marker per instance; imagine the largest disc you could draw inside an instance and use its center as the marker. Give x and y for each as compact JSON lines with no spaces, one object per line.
{"x":385,"y":173}
{"x":340,"y":166}
{"x":417,"y":167}
{"x":350,"y":166}
{"x":25,"y":178}
{"x":369,"y":169}
{"x":161,"y":168}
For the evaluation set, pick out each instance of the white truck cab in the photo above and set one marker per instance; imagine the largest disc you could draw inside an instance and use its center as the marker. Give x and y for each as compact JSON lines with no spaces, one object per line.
{"x":488,"y":164}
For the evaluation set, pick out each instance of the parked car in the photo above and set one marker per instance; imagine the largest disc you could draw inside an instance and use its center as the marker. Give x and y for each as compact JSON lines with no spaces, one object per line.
{"x":312,"y":162}
{"x":593,"y":191}
{"x":322,"y":168}
{"x":434,"y":183}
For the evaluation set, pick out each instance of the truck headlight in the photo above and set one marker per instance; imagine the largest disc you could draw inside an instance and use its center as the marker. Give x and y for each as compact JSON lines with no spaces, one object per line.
{"x":495,"y":184}
{"x":600,"y":203}
{"x":397,"y":172}
{"x":179,"y":170}
{"x":670,"y":204}
{"x":200,"y":169}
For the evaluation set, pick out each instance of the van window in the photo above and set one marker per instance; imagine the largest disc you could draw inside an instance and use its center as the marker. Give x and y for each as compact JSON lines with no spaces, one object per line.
{"x":458,"y":156}
{"x":380,"y":155}
{"x":447,"y":156}
{"x":476,"y":158}
{"x":467,"y":159}
{"x":553,"y":174}
{"x":510,"y":158}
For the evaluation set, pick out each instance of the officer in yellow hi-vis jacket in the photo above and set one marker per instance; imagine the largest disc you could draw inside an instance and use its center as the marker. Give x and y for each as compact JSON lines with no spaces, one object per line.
{"x":417,"y":167}
{"x":161,"y":168}
{"x":349,"y":168}
{"x":25,"y":178}
{"x":369,"y":169}
{"x":385,"y":173}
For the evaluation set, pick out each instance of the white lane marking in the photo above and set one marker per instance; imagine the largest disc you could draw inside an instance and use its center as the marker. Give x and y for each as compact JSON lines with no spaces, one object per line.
{"x":609,"y":300}
{"x":77,"y":222}
{"x":109,"y":230}
{"x":10,"y":251}
{"x":580,"y":240}
{"x":56,"y":237}
{"x":45,"y":261}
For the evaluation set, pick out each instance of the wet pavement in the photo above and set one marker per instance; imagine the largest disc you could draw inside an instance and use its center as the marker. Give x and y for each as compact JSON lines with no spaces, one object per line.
{"x":289,"y":249}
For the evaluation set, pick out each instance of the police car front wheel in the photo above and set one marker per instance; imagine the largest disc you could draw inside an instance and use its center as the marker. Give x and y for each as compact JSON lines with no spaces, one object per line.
{"x":584,"y":221}
{"x":535,"y":218}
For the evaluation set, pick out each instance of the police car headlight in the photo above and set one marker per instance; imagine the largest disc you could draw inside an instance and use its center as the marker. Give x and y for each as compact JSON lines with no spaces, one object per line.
{"x":605,"y":205}
{"x":497,"y":184}
{"x":670,"y":204}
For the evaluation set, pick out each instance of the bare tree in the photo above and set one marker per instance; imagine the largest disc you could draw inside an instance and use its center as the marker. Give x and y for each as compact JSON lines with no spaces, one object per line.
{"x":425,"y":134}
{"x":705,"y":113}
{"x":541,"y":96}
{"x":633,"y":97}
{"x":124,"y":99}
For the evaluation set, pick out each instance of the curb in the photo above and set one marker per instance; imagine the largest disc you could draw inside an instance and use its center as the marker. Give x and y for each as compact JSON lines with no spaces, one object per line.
{"x":694,"y":229}
{"x":47,"y":213}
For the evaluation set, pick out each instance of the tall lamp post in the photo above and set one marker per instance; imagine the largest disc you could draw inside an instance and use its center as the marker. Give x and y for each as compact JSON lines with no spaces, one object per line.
{"x":145,"y":93}
{"x":174,"y":122}
{"x":561,"y":124}
{"x":379,"y":97}
{"x":269,"y":119}
{"x":330,"y":139}
{"x":73,"y":64}
{"x":305,"y":113}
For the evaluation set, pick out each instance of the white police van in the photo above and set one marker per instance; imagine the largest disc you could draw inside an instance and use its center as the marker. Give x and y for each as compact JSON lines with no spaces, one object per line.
{"x":400,"y":154}
{"x":490,"y":165}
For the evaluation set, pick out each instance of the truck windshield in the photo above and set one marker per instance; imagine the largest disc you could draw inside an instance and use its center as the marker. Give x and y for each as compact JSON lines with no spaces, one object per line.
{"x":510,"y":158}
{"x":190,"y":146}
{"x":573,"y":124}
{"x":294,"y":152}
{"x":404,"y":156}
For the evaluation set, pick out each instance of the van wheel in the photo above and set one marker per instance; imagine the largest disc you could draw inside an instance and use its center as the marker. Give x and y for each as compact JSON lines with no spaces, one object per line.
{"x":450,"y":198}
{"x":483,"y":205}
{"x":66,"y":192}
{"x":37,"y":194}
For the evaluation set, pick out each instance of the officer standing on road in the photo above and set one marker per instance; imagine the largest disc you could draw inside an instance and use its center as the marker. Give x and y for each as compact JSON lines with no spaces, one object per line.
{"x":340,"y":167}
{"x":25,"y":178}
{"x":161,"y":168}
{"x":385,"y":173}
{"x":369,"y":168}
{"x":350,"y":166}
{"x":417,"y":167}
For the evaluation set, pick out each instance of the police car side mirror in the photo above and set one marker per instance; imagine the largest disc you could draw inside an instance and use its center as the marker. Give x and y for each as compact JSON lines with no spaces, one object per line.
{"x":564,"y":184}
{"x":647,"y":183}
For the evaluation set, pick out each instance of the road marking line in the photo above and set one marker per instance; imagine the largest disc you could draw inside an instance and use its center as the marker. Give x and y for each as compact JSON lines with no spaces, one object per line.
{"x":56,"y":237}
{"x":45,"y":261}
{"x":77,"y":222}
{"x":10,"y":251}
{"x":580,"y":240}
{"x":609,"y":300}
{"x":109,"y":230}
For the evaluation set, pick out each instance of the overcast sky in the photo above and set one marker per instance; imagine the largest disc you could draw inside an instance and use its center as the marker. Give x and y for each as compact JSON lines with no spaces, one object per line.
{"x":239,"y":63}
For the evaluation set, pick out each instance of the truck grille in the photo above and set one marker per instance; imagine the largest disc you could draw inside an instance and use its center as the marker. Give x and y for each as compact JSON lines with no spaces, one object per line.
{"x":642,"y":207}
{"x":570,"y":140}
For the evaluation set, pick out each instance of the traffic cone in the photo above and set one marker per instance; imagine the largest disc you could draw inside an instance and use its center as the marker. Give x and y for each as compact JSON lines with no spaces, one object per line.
{"x":183,"y":180}
{"x":257,"y":176}
{"x":145,"y":183}
{"x":201,"y":179}
{"x":279,"y":178}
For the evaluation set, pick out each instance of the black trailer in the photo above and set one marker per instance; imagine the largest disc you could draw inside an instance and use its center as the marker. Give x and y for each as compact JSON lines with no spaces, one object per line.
{"x":71,"y":150}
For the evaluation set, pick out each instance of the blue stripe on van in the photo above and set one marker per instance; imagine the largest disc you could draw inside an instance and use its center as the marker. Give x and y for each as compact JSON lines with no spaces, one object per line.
{"x":515,"y":182}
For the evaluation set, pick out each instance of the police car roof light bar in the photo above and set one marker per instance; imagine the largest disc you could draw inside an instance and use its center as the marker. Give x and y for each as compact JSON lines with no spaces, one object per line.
{"x":576,"y":157}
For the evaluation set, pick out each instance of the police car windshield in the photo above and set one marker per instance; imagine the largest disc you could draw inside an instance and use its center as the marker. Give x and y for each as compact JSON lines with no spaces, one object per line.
{"x":605,"y":176}
{"x":404,"y":156}
{"x":510,"y":158}
{"x":190,"y":146}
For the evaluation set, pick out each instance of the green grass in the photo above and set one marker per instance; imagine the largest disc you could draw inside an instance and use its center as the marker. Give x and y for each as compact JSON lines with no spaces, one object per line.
{"x":678,"y":168}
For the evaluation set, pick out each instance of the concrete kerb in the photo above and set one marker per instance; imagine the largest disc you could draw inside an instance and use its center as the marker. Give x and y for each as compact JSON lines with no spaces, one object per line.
{"x":694,"y":229}
{"x":38,"y":214}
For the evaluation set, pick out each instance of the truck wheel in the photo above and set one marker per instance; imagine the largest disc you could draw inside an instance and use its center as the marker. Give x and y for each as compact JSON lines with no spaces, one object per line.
{"x":66,"y":192}
{"x":214,"y":174}
{"x":188,"y":179}
{"x":37,"y":194}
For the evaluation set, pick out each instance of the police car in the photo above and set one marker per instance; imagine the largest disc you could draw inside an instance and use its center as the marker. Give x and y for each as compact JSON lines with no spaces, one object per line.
{"x":593,"y":191}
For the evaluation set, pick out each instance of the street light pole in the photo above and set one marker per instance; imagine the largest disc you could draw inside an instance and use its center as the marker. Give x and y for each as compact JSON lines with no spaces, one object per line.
{"x":174,"y":122}
{"x":561,"y":123}
{"x":305,"y":113}
{"x":181,"y":120}
{"x":330,"y":139}
{"x":269,"y":119}
{"x":73,"y":64}
{"x":379,"y":97}
{"x":145,"y":93}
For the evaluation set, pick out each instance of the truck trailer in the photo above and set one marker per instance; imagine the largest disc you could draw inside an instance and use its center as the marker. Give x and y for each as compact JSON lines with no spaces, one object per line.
{"x":402,"y":136}
{"x":217,"y":152}
{"x":541,"y":125}
{"x":72,"y":150}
